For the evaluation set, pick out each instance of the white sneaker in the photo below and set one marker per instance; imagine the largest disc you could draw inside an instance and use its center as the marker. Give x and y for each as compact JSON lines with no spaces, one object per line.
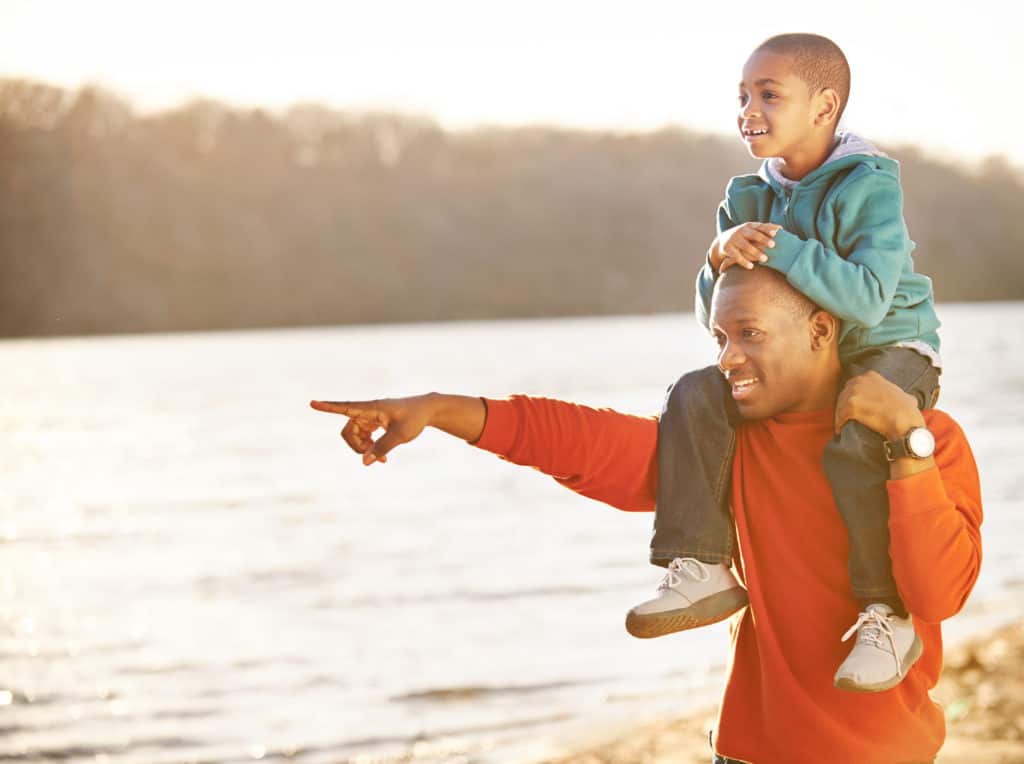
{"x":691,"y":594}
{"x":887,"y":646}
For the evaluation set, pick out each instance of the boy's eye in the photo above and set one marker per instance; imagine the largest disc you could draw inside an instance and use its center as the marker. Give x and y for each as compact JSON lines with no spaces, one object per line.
{"x":768,"y":95}
{"x":720,"y":339}
{"x":750,"y":333}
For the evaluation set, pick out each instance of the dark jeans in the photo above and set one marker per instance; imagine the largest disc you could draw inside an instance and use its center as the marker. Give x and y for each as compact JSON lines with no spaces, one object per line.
{"x":696,"y":440}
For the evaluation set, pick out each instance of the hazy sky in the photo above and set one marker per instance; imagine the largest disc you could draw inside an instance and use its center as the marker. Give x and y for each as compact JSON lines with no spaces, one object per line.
{"x":943,"y":76}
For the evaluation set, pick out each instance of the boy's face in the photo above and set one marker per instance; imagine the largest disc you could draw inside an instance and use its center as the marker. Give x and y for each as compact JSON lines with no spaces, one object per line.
{"x":776,"y":115}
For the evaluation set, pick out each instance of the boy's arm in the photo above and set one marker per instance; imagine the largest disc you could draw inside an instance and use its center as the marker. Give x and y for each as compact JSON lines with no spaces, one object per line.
{"x":707,"y":275}
{"x":859,"y":287}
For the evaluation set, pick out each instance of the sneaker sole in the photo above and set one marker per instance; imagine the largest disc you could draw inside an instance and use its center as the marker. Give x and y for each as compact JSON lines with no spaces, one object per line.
{"x":911,"y":658}
{"x":705,"y":612}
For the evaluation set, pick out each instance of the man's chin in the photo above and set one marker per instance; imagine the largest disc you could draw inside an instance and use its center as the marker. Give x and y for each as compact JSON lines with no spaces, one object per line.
{"x":751,"y":410}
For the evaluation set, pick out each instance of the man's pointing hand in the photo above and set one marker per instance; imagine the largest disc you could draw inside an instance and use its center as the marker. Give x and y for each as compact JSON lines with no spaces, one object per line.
{"x":403,"y":419}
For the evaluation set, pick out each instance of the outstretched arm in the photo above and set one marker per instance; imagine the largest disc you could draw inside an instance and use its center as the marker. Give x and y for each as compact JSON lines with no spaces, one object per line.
{"x":599,"y":453}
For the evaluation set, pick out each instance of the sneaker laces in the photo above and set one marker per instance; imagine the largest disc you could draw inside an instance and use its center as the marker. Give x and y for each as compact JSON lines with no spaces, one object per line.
{"x":871,"y":628}
{"x":683,"y":566}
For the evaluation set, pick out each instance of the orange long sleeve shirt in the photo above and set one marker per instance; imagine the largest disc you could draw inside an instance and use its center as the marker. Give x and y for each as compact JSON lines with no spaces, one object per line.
{"x":779,"y":704}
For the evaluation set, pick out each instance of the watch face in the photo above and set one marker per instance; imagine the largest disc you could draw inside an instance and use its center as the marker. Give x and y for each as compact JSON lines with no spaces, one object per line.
{"x":921,"y":442}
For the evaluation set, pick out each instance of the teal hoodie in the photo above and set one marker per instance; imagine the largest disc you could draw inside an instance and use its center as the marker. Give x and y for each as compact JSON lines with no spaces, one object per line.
{"x":843,"y":243}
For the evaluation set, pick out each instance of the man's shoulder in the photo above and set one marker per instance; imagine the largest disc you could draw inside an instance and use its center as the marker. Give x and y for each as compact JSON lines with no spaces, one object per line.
{"x":949,"y":435}
{"x":941,"y":421}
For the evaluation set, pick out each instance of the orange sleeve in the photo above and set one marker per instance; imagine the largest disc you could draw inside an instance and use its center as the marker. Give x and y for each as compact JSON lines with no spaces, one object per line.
{"x":598,"y":453}
{"x":935,"y":527}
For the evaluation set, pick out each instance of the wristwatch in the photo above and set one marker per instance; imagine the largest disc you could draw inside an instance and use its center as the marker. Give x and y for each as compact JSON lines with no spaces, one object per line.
{"x":918,"y":443}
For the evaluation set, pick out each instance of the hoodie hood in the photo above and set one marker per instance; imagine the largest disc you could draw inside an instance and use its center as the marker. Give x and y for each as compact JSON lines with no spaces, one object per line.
{"x":848,"y":144}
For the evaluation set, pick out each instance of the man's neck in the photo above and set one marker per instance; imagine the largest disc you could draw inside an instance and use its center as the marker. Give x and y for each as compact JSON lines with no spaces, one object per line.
{"x":822,"y":392}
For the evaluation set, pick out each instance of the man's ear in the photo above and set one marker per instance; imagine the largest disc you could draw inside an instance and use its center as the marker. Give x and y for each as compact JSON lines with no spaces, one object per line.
{"x":826,"y":107}
{"x":824,"y":328}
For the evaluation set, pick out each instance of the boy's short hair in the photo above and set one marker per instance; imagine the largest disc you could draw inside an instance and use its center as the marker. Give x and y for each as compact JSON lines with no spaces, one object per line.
{"x":817,"y":61}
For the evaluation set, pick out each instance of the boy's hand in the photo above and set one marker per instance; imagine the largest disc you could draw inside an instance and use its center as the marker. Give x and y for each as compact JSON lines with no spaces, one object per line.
{"x":742,"y":245}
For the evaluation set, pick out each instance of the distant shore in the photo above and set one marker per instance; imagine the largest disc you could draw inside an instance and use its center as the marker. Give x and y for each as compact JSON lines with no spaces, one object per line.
{"x":981,"y":688}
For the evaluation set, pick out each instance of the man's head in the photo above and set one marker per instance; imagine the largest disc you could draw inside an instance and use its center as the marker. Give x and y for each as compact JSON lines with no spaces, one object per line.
{"x":793,"y":92}
{"x":778,"y":350}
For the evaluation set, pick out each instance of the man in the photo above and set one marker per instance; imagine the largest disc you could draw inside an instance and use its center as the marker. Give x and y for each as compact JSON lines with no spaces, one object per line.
{"x":779,"y":703}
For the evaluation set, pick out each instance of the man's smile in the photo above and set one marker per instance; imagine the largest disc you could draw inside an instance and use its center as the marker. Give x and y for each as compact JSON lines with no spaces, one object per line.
{"x":742,"y":386}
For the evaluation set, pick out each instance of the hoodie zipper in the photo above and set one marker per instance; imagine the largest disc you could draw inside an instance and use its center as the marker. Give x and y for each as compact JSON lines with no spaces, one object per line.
{"x":787,"y":198}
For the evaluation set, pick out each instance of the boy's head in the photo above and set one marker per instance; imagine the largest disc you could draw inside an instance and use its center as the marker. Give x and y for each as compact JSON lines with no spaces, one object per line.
{"x":793,"y":92}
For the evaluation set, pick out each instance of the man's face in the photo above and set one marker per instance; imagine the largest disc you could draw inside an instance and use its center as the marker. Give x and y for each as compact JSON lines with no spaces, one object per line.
{"x":765,"y":350}
{"x":776,"y":114}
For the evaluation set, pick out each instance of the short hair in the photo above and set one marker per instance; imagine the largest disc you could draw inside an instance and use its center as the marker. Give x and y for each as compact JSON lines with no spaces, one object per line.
{"x":780,"y":292}
{"x":817,"y":60}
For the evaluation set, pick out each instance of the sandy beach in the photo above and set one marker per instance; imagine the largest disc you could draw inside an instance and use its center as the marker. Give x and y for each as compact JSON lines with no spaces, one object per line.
{"x":981,"y":688}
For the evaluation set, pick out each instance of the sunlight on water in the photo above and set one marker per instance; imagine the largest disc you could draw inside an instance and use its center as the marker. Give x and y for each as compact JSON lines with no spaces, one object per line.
{"x":196,"y":569}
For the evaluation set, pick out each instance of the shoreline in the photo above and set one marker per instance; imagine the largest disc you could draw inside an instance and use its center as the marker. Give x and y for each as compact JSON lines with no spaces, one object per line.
{"x":981,"y":688}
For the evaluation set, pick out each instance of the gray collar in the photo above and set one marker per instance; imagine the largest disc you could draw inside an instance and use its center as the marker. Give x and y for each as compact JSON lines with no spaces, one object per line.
{"x":847,"y":143}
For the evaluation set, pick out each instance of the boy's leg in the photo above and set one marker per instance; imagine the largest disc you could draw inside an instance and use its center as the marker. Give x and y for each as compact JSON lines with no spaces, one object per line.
{"x":696,"y":440}
{"x":857,"y":470}
{"x":693,"y":534}
{"x":856,"y":467}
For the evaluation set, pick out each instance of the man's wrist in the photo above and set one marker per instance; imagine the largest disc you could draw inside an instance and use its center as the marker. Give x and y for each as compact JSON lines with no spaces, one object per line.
{"x":459,"y":415}
{"x":903,"y":421}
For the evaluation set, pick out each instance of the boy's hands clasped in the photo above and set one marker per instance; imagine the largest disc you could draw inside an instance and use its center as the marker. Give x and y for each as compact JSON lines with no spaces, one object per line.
{"x":743,"y":245}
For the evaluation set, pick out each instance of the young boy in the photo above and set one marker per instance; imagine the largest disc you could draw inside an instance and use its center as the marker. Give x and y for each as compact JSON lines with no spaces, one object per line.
{"x":825,"y":210}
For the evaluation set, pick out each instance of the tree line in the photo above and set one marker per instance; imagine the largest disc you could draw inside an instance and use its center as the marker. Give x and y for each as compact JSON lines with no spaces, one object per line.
{"x":212,"y":217}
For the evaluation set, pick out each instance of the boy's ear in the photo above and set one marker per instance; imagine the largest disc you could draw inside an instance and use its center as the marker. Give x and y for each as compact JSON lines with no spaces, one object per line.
{"x":827,"y":103}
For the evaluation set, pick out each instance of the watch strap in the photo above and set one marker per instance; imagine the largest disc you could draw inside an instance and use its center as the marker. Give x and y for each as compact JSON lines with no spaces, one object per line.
{"x":897,"y":449}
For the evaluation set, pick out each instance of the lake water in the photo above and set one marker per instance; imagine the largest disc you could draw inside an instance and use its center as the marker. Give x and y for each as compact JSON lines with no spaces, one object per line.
{"x":193,"y":567}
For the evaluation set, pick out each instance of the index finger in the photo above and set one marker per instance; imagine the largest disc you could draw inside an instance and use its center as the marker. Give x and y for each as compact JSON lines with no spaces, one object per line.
{"x":347,"y":408}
